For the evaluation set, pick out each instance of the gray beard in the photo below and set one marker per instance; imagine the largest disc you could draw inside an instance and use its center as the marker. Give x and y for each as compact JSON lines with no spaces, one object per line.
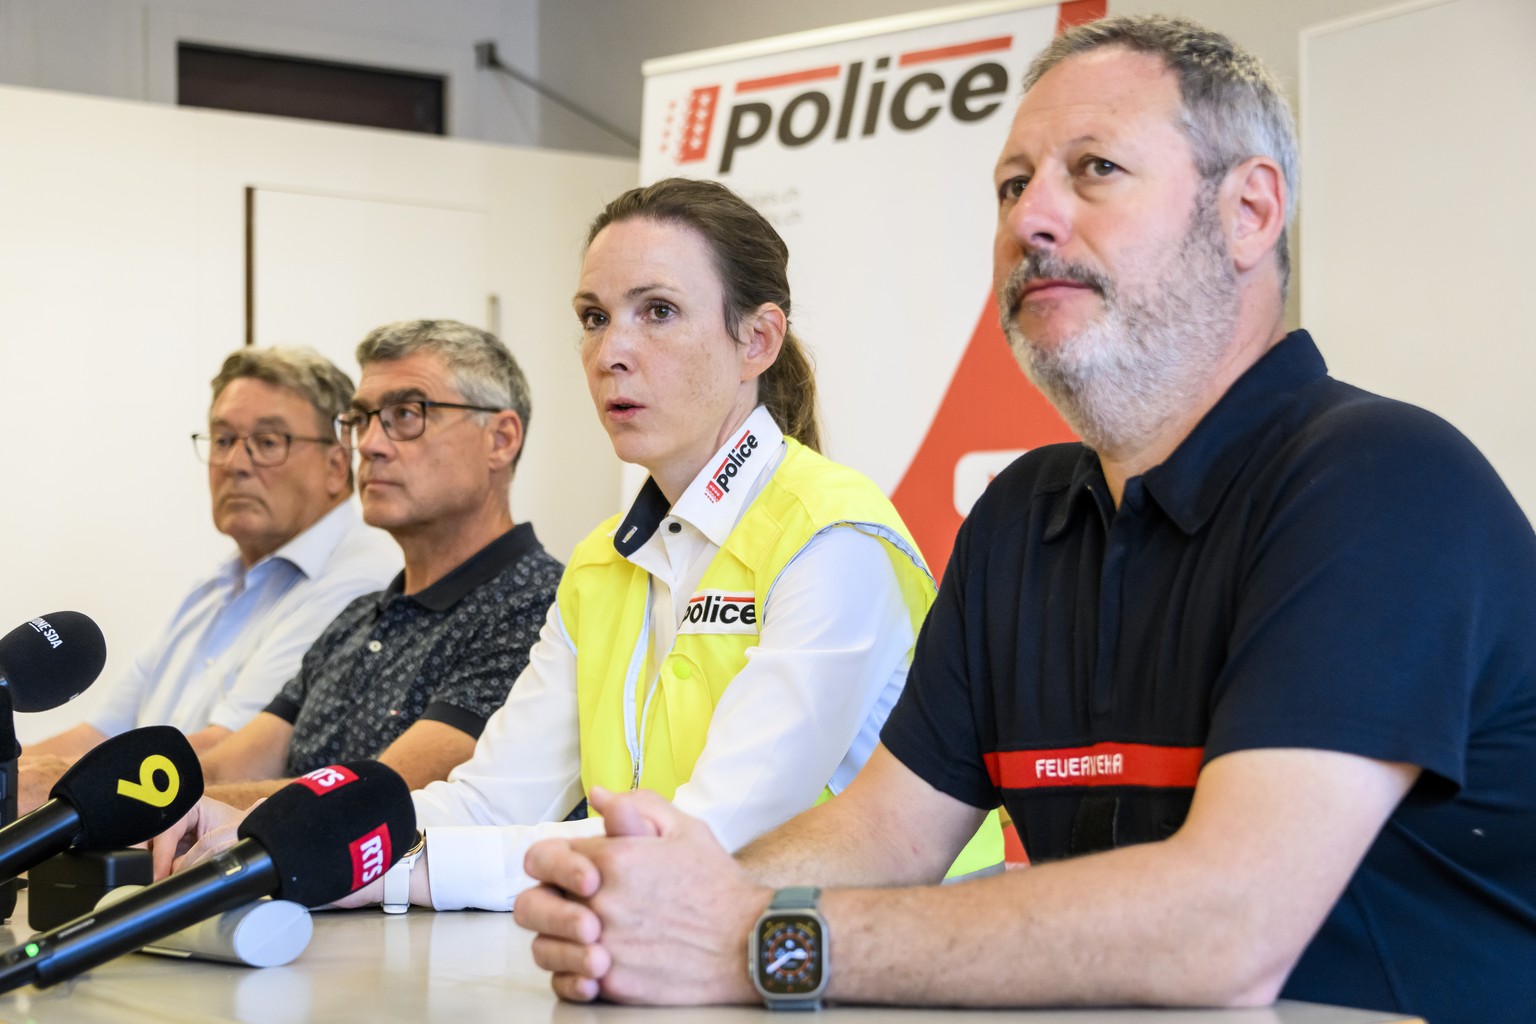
{"x":1146,"y":358}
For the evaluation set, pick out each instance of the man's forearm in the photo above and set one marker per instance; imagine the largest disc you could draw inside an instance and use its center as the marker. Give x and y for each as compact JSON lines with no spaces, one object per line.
{"x":1155,"y":924}
{"x":1217,"y":914}
{"x":1132,"y":926}
{"x":819,"y":846}
{"x":71,"y":744}
{"x":1143,"y":925}
{"x":35,"y":779}
{"x":257,"y":751}
{"x":205,"y":739}
{"x":888,"y":828}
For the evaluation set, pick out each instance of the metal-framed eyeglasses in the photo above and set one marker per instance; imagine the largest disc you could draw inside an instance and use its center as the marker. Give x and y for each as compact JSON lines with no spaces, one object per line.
{"x":266,"y":448}
{"x":402,"y":421}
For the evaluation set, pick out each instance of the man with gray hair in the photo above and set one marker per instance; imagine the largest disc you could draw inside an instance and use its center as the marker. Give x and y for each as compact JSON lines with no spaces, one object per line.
{"x":410,"y":675}
{"x":1253,"y":667}
{"x":281,"y":485}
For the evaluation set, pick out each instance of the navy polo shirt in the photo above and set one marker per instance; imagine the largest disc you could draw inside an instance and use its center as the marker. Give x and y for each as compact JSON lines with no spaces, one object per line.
{"x":448,"y":653}
{"x":1314,"y":567}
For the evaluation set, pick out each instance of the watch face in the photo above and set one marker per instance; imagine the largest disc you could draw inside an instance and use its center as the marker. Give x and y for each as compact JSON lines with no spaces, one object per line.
{"x":790,"y":954}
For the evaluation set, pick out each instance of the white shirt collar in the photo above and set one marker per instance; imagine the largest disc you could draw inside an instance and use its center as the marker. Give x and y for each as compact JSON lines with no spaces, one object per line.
{"x":312,"y":547}
{"x":728,"y":482}
{"x":718,"y":495}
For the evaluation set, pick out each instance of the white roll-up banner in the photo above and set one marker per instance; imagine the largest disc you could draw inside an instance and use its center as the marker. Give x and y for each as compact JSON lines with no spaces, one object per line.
{"x":870,"y":147}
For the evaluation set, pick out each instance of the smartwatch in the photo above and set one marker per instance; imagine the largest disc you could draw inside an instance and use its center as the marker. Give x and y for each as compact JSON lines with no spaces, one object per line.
{"x":397,"y":880}
{"x":788,"y":951}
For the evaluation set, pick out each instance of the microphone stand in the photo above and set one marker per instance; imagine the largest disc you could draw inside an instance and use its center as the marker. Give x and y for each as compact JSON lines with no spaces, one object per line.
{"x":10,"y":750}
{"x":229,"y":880}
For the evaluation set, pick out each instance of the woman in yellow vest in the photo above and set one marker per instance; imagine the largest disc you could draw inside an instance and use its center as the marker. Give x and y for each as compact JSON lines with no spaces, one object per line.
{"x":735,"y":640}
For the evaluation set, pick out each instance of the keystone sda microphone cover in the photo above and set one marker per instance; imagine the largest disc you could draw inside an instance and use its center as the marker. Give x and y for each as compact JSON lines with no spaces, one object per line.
{"x":51,"y":659}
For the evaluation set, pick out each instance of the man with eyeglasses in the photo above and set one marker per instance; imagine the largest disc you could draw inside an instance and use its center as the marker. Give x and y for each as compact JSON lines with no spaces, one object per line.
{"x":280,"y":483}
{"x":411,"y":674}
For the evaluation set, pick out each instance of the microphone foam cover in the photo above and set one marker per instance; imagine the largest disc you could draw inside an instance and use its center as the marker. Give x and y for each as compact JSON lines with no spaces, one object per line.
{"x":334,"y":830}
{"x":51,"y":659}
{"x":131,"y":787}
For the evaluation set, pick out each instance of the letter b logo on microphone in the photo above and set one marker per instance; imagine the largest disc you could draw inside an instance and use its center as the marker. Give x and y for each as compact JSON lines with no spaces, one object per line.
{"x":146,"y":790}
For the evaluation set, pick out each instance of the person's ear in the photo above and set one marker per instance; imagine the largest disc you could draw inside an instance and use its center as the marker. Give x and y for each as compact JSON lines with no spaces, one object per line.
{"x":1253,"y":197}
{"x":338,"y":470}
{"x":762,"y":334}
{"x":506,"y":438}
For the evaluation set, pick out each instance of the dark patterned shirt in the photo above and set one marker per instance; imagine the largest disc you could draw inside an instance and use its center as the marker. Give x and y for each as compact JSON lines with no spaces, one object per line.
{"x":447,"y":654}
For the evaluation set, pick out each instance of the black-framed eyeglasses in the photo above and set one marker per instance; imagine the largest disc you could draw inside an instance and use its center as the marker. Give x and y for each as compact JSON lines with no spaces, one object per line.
{"x":266,"y":448}
{"x":402,"y":421}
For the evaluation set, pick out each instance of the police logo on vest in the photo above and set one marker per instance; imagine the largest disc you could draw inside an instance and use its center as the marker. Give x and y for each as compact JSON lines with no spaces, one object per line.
{"x":736,"y":456}
{"x":720,"y":611}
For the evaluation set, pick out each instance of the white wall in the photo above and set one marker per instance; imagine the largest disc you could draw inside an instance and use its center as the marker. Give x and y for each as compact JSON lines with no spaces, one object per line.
{"x":1419,"y":224}
{"x":122,"y":287}
{"x":127,"y":48}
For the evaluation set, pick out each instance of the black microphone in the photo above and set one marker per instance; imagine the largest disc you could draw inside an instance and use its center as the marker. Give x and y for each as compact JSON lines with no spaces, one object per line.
{"x":50,"y":660}
{"x":44,"y":662}
{"x":324,"y":835}
{"x":125,"y":790}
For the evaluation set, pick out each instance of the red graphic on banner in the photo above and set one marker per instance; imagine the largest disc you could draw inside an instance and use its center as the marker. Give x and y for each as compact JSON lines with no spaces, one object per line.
{"x":790,"y":78}
{"x":692,"y":130}
{"x":990,"y":406}
{"x":958,"y":50}
{"x":1075,"y":12}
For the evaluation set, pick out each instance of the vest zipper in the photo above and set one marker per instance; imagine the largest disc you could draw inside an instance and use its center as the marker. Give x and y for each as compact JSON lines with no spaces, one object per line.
{"x":631,"y":686}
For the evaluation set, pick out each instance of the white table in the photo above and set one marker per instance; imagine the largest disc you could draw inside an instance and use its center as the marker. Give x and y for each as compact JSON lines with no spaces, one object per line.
{"x":460,"y":968}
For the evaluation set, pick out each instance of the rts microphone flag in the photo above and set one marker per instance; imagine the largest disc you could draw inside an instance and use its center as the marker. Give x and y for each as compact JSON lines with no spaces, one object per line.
{"x":125,"y":790}
{"x":51,"y":659}
{"x":317,"y":839}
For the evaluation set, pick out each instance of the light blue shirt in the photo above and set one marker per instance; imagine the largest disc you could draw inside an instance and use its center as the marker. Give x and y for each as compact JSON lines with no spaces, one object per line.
{"x":241,"y":633}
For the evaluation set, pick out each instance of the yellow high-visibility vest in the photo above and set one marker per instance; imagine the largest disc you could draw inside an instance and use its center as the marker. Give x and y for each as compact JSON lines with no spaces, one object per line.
{"x":602,"y":605}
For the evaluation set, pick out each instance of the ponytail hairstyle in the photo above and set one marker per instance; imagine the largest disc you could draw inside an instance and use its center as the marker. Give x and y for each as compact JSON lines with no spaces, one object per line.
{"x":752,"y":263}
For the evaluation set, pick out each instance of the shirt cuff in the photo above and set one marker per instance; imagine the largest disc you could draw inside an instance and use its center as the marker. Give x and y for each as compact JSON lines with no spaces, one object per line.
{"x":482,"y":867}
{"x":465,"y":721}
{"x":282,"y":707}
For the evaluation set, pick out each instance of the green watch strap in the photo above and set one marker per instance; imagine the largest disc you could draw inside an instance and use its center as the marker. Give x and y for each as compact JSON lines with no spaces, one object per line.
{"x":796,"y":897}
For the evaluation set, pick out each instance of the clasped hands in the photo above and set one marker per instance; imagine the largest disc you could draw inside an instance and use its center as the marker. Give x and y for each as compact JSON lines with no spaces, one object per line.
{"x":656,"y":911}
